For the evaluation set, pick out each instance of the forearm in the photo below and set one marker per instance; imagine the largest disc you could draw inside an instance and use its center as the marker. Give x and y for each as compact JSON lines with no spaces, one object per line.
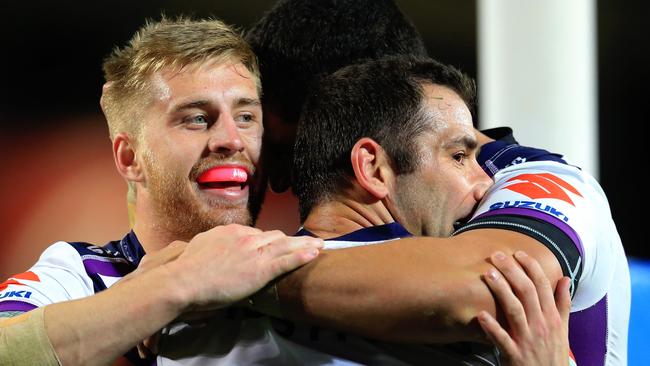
{"x":98,"y":329}
{"x":386,"y":294}
{"x":407,"y":292}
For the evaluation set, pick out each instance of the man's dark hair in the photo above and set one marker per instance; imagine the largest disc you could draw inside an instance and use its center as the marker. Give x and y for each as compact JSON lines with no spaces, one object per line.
{"x":380,"y":99}
{"x":297,"y":40}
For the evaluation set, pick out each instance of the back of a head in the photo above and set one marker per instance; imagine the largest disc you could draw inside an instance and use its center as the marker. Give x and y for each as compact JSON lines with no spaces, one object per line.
{"x":380,"y":99}
{"x":298,"y":40}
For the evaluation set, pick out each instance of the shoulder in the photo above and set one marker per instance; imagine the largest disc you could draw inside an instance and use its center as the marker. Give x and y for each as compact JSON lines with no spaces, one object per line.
{"x":568,"y":207}
{"x":64,"y":271}
{"x":58,"y":275}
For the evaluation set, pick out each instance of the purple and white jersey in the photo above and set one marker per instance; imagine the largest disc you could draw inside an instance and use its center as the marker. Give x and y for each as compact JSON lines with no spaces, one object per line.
{"x":69,"y":271}
{"x":233,"y":336}
{"x":241,"y":337}
{"x":536,"y":193}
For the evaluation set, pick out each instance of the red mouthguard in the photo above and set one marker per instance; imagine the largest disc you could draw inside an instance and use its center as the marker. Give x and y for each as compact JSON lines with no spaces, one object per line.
{"x":223,"y":174}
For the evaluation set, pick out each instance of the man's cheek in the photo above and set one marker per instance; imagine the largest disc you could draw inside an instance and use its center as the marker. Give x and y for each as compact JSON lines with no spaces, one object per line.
{"x":253,"y":144}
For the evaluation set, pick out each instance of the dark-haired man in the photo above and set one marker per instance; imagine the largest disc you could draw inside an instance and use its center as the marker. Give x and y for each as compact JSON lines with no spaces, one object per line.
{"x":406,"y":166}
{"x":548,"y":210}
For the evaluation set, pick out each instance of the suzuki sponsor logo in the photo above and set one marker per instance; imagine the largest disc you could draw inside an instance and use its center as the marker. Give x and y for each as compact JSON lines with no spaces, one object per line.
{"x":22,"y":294}
{"x":539,"y":186}
{"x":530,"y":204}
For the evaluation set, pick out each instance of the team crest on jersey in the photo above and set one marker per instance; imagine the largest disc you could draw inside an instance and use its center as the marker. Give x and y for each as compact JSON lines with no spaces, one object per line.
{"x":542,"y":185}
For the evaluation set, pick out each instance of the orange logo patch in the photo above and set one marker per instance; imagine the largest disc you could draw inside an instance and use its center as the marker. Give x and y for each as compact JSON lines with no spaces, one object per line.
{"x":543,"y":185}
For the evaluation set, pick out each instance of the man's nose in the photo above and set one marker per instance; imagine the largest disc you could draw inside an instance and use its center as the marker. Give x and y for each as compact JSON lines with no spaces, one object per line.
{"x":483,"y":183}
{"x":225,"y":137}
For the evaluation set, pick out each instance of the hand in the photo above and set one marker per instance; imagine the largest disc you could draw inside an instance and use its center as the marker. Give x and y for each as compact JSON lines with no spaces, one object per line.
{"x":537,"y":323}
{"x":229,"y":263}
{"x":226,"y":264}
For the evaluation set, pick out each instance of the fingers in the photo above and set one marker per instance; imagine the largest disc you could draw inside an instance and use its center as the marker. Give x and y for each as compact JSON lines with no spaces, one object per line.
{"x":152,"y":342}
{"x":514,"y":291}
{"x":234,"y":261}
{"x":298,"y":253}
{"x":143,"y":352}
{"x":538,"y":332}
{"x":496,"y":334}
{"x":287,"y":244}
{"x":268,"y":237}
{"x":563,"y":299}
{"x":149,"y":347}
{"x":538,"y":277}
{"x":287,"y":253}
{"x":510,"y":305}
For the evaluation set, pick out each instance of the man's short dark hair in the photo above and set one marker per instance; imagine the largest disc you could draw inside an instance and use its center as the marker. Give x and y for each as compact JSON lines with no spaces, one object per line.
{"x":380,"y":99}
{"x":297,"y":40}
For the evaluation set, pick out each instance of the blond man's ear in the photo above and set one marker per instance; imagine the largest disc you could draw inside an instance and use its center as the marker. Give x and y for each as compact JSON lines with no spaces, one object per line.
{"x":129,"y":167}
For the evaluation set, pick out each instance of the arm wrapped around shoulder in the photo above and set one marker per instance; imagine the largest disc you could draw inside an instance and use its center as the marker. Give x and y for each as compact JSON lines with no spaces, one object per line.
{"x":23,"y":340}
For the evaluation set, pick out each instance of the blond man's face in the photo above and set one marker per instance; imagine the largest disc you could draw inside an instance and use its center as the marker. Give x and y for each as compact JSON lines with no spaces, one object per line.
{"x":200,"y":146}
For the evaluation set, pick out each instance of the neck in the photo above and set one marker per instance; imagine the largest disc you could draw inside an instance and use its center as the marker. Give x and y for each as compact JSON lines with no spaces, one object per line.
{"x":152,"y":234}
{"x":341,"y":216}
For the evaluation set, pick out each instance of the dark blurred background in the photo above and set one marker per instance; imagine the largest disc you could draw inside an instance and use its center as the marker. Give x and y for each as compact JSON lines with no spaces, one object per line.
{"x":59,"y":182}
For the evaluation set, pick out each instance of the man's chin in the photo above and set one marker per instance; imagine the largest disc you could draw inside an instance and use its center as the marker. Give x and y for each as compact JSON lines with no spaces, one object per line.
{"x":184,"y":229}
{"x":241,"y":217}
{"x":216,"y":215}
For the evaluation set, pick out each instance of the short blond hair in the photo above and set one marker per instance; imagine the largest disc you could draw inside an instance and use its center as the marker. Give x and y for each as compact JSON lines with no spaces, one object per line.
{"x":166,"y":44}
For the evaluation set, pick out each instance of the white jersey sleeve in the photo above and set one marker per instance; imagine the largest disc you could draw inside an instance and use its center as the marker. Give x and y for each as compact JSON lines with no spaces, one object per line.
{"x":570,"y":200}
{"x":566,"y":210}
{"x":57,"y":276}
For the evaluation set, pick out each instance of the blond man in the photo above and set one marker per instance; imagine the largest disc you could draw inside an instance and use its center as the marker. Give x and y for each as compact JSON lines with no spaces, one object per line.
{"x":183,"y":110}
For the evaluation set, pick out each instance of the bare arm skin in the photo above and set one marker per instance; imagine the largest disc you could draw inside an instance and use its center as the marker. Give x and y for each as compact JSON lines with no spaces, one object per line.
{"x":213,"y":270}
{"x":411,"y":290}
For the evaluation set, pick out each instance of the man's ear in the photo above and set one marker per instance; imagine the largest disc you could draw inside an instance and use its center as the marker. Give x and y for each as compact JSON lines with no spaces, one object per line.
{"x":126,"y":161}
{"x":371,"y":167}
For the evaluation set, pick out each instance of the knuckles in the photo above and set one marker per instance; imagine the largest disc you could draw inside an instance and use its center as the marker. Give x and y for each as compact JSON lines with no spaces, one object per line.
{"x":247,"y":241}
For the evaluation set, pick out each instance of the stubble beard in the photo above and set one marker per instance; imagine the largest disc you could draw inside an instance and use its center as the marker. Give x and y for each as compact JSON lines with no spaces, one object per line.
{"x":183,"y":211}
{"x":413,"y":197}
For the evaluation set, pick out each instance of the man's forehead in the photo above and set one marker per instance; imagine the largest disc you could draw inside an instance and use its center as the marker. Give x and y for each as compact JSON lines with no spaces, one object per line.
{"x":449,"y":116}
{"x":445,"y":106}
{"x":231,"y":79}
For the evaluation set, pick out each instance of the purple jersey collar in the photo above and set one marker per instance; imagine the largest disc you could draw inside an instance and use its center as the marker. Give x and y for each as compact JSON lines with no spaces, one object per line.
{"x":372,"y":233}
